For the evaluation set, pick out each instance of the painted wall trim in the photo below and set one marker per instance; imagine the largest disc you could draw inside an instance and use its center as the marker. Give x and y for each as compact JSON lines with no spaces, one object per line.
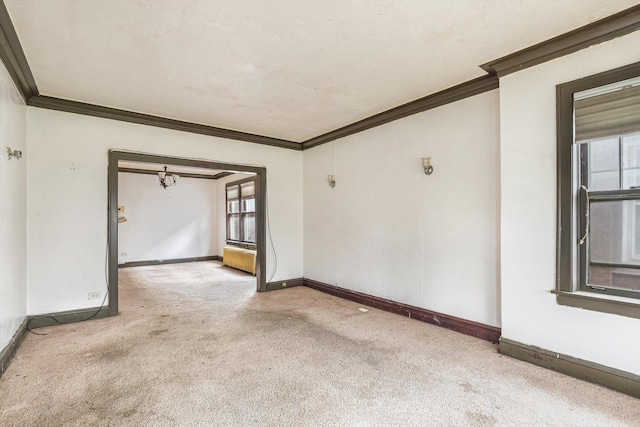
{"x":64,"y":317}
{"x":594,"y":302}
{"x":182,"y":174}
{"x":284,"y":284}
{"x":438,"y":99}
{"x":170,"y":261}
{"x":14,"y":58}
{"x":157,"y":121}
{"x":112,"y":210}
{"x":612,"y":378}
{"x":7,"y":353}
{"x":478,"y":330}
{"x":613,"y":26}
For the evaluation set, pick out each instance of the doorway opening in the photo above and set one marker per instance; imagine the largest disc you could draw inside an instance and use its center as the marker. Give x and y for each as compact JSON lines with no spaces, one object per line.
{"x":250,"y":221}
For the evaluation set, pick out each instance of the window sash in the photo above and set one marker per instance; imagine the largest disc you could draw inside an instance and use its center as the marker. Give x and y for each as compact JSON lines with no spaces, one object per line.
{"x":598,"y":276}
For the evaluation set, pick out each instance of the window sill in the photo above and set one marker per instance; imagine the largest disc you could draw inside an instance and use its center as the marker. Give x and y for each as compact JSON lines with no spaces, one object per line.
{"x":241,"y":244}
{"x":621,"y":306}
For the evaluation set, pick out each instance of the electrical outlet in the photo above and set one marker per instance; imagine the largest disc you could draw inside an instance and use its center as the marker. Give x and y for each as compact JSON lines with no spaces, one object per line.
{"x":94,"y":295}
{"x":284,"y":284}
{"x":123,"y":254}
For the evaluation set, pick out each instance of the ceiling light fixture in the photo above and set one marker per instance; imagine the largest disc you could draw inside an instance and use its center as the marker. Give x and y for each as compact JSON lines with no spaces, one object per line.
{"x":167,"y":179}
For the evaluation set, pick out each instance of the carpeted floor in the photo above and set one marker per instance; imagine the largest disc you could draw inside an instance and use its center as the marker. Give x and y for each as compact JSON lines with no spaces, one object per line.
{"x":192,"y":348}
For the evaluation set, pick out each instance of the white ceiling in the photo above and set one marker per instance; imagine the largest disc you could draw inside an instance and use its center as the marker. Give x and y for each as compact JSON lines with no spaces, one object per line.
{"x":287,"y":69}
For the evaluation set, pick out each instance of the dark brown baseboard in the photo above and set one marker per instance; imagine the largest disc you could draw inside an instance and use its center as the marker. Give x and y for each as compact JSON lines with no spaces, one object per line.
{"x":282,"y":284}
{"x":170,"y":261}
{"x":615,"y":379}
{"x":64,"y":317}
{"x":478,"y":330}
{"x":7,"y":353}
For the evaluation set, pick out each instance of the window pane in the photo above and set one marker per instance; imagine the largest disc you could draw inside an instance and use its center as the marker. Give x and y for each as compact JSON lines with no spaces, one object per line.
{"x":614,"y":244}
{"x":604,"y":165}
{"x":249,"y":205}
{"x":249,"y":228}
{"x":233,"y":206}
{"x":614,"y":227}
{"x":232,"y":192}
{"x":248,"y":189}
{"x":614,"y":277}
{"x":631,"y":161}
{"x":234,"y":227}
{"x":600,"y":181}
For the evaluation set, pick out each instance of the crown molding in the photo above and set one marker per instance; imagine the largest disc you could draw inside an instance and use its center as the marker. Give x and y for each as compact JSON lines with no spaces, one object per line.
{"x":611,"y":27}
{"x":150,"y":120}
{"x":181,"y":174}
{"x":605,"y":29}
{"x":452,"y":94}
{"x":13,"y":56}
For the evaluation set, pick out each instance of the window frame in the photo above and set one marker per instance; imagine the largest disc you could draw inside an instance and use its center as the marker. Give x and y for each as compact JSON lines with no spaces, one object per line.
{"x":568,"y":274}
{"x":241,"y":214}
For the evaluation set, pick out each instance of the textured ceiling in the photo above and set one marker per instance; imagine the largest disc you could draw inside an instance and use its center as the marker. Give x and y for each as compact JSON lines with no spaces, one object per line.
{"x":285,"y":69}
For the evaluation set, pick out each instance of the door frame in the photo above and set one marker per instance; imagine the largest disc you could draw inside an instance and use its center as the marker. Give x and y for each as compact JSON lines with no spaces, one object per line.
{"x":112,"y":231}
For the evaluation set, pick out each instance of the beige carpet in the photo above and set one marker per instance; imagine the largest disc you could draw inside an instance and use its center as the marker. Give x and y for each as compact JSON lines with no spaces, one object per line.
{"x":195,"y":345}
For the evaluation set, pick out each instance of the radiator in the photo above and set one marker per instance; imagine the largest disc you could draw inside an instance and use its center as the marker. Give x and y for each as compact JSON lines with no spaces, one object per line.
{"x":242,"y":259}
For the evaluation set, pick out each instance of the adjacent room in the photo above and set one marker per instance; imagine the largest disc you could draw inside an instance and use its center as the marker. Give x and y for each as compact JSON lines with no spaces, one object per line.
{"x":286,"y":213}
{"x":189,"y":225}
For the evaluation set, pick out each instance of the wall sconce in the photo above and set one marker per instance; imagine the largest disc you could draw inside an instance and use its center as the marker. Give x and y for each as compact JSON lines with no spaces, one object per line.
{"x":121,"y":217}
{"x":331,"y":180}
{"x":14,"y":153}
{"x":426,"y":164}
{"x":167,"y":179}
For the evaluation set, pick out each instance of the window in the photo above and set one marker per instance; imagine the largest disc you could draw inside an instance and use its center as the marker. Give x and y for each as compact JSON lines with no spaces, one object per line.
{"x":599,"y":184}
{"x":609,"y":215}
{"x":241,"y":211}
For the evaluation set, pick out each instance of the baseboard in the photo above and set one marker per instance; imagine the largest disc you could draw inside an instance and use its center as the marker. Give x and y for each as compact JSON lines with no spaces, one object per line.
{"x":612,"y":378}
{"x":170,"y":261}
{"x":7,"y":353}
{"x":64,"y":317}
{"x":282,"y":284}
{"x":478,"y":330}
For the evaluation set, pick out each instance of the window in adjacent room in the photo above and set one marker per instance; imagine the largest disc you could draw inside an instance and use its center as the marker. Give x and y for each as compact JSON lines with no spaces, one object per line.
{"x":599,"y":184}
{"x":241,"y":211}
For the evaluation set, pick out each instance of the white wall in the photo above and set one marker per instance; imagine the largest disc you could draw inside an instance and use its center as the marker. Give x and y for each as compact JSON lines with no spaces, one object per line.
{"x":530,"y":313}
{"x":180,"y":221}
{"x":389,"y":230}
{"x":13,"y":204}
{"x":67,"y":191}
